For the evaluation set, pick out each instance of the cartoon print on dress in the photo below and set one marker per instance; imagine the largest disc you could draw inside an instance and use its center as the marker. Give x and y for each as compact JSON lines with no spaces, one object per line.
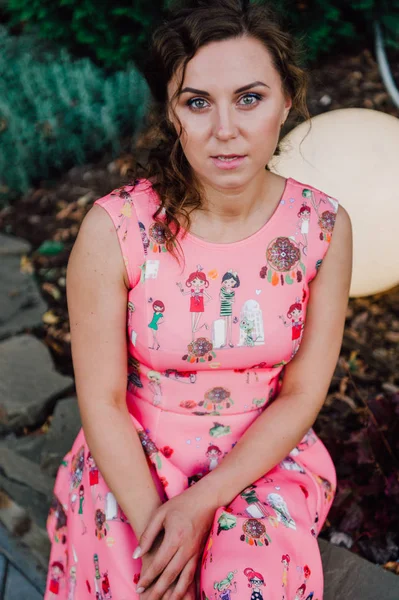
{"x":300,"y":592}
{"x":326,"y":219}
{"x":93,"y":475}
{"x":216,"y":399}
{"x":226,"y":521}
{"x":219,"y":430}
{"x":58,"y":512}
{"x":277,"y":502}
{"x":224,"y":587}
{"x":207,"y":551}
{"x":154,"y":383}
{"x":103,"y":592}
{"x":222,"y":328}
{"x":157,"y":319}
{"x":255,"y":580}
{"x":150,"y":448}
{"x":133,"y":377}
{"x":200,"y":350}
{"x":81,"y":502}
{"x":101,"y":525}
{"x":130,"y":310}
{"x":57,"y":571}
{"x":144,"y":237}
{"x":255,"y":533}
{"x":297,"y":324}
{"x":126,"y":211}
{"x":72,"y":583}
{"x":181,"y":376}
{"x":290,"y":464}
{"x":197,"y":283}
{"x":326,"y":486}
{"x":307,"y":441}
{"x":213,"y":453}
{"x":251,"y":324}
{"x":157,"y":234}
{"x":284,"y":263}
{"x":285,"y":559}
{"x":113,"y":511}
{"x":77,"y":466}
{"x":304,"y":220}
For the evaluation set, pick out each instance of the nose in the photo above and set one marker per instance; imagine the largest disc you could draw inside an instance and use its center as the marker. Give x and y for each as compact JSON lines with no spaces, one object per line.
{"x":225,"y":125}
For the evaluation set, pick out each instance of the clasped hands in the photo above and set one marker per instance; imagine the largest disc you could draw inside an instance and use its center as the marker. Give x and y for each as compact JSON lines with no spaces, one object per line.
{"x":172,"y":544}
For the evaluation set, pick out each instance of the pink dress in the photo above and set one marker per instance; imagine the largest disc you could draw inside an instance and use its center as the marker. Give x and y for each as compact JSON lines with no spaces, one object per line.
{"x":210,"y":389}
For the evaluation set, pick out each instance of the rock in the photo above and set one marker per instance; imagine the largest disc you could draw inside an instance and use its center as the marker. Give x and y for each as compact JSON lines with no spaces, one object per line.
{"x":21,"y":305}
{"x":347,"y":575}
{"x":29,"y":383}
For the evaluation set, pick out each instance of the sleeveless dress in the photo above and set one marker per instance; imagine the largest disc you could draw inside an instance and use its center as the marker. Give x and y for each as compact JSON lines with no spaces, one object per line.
{"x":207,"y":345}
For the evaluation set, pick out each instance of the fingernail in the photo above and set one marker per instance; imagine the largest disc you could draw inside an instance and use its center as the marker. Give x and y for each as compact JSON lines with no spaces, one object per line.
{"x":140,"y":590}
{"x":137,"y":552}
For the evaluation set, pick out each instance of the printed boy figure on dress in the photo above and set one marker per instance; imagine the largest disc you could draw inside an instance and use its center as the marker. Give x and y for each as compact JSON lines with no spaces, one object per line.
{"x":230,"y":281}
{"x":295,"y":314}
{"x":224,"y":587}
{"x":157,"y":319}
{"x":304,"y":219}
{"x":197,"y":283}
{"x":255,"y":581}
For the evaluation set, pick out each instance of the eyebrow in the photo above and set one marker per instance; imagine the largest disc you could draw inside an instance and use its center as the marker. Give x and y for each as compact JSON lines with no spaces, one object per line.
{"x":241,"y":89}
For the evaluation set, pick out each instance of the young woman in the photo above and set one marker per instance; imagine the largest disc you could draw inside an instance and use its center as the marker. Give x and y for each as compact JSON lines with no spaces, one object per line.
{"x":224,"y":77}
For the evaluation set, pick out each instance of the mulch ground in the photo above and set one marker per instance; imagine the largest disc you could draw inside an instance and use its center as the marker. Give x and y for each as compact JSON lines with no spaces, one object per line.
{"x":359,"y":422}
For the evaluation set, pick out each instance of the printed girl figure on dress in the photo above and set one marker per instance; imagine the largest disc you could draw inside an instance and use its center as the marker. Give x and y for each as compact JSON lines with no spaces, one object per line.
{"x":57,"y":571}
{"x":72,"y":583}
{"x":157,"y":319}
{"x":230,"y":280}
{"x":224,"y":587}
{"x":285,"y":559}
{"x":80,"y":511}
{"x":213,"y":453}
{"x":154,"y":379}
{"x":295,"y":314}
{"x":277,"y":502}
{"x":93,"y":475}
{"x":309,"y":195}
{"x":126,"y":211}
{"x":197,"y":282}
{"x":304,"y":218}
{"x":144,"y":237}
{"x":255,"y":580}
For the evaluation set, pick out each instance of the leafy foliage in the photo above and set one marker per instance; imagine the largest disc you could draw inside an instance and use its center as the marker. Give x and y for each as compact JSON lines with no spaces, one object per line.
{"x":55,"y":112}
{"x":120,"y":31}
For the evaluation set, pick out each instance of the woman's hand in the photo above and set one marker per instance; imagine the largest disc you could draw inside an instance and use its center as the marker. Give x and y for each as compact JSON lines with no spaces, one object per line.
{"x":182,"y":524}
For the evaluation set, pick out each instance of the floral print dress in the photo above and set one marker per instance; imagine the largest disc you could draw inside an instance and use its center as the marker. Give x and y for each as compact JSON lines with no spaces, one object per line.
{"x":207,"y":345}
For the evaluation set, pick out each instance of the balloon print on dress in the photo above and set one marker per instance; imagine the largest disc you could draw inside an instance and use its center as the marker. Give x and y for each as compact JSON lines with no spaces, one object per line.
{"x":277,"y":502}
{"x":255,"y":581}
{"x":284,"y":263}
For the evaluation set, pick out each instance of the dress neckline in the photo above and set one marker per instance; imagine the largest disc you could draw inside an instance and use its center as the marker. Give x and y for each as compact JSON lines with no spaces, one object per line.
{"x":187,"y":235}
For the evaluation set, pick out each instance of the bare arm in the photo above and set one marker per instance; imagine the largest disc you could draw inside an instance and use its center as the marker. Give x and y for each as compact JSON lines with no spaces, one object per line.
{"x":306,"y":381}
{"x":97,"y":303}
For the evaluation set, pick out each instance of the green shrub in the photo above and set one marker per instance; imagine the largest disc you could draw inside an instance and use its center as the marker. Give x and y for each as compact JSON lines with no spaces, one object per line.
{"x":55,"y":112}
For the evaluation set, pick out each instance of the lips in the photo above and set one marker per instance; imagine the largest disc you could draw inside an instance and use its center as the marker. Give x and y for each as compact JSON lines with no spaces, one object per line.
{"x":228,"y":155}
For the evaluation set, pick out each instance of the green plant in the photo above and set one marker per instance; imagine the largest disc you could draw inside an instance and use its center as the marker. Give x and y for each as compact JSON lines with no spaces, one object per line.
{"x":56,"y":112}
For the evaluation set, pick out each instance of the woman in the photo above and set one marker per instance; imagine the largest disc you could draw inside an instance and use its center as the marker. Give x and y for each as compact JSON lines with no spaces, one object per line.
{"x":224,"y":77}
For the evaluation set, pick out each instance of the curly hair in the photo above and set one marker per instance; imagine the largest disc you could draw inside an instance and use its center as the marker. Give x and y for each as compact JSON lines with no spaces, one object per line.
{"x":173,"y":44}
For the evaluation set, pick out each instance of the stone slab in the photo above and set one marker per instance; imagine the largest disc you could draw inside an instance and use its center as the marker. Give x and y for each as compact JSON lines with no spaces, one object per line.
{"x":29,"y":382}
{"x":21,"y":304}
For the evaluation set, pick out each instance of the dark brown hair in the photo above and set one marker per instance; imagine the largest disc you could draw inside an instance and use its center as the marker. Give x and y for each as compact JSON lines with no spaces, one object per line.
{"x":174,"y":44}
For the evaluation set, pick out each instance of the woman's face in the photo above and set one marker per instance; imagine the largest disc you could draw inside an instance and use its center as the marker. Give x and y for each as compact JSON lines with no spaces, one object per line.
{"x":224,"y":120}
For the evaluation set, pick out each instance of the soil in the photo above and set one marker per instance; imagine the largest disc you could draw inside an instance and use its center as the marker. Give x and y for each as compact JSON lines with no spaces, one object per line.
{"x":359,"y":422}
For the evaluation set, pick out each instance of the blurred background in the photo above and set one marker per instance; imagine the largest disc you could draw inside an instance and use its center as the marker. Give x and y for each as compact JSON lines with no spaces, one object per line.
{"x":73,"y":108}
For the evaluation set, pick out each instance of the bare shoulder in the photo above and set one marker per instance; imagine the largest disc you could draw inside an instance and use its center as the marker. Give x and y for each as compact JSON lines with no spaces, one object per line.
{"x":97,"y":246}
